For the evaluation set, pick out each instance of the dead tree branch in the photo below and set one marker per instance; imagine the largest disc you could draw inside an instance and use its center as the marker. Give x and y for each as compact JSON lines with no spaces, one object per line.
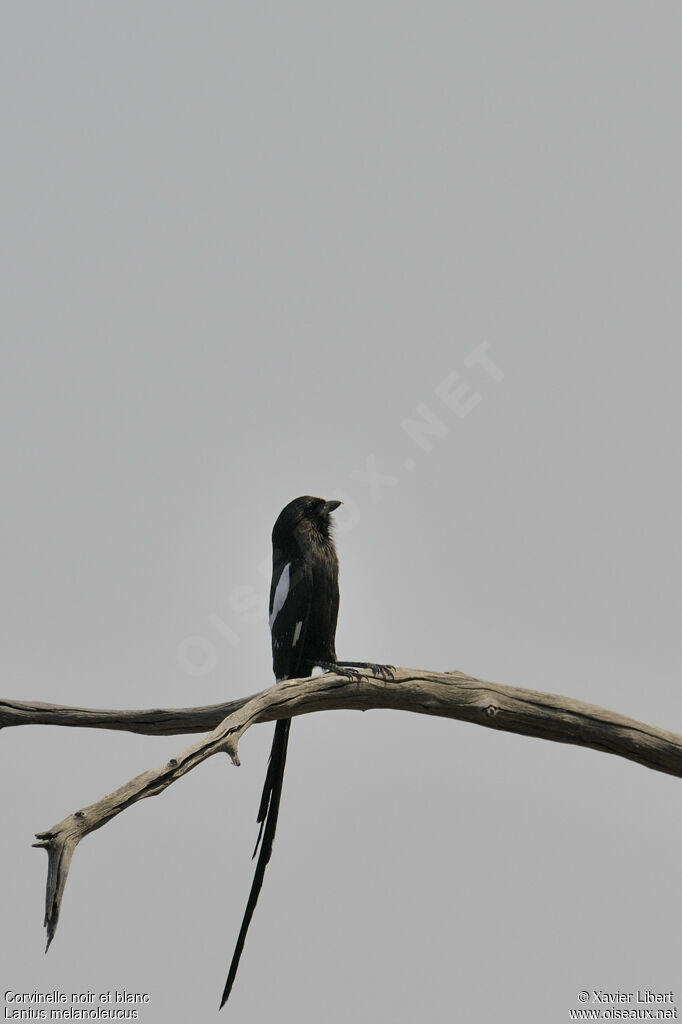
{"x":152,"y":722}
{"x":449,"y":694}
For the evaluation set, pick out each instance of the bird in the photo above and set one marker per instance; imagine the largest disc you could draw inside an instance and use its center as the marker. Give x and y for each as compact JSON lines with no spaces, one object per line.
{"x":304,"y":606}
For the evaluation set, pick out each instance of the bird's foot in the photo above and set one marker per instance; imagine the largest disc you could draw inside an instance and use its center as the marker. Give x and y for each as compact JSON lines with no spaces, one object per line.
{"x":340,"y":669}
{"x":385,"y":672}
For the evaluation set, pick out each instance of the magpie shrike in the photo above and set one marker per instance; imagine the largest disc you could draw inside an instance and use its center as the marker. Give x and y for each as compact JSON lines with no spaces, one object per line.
{"x":304,"y":604}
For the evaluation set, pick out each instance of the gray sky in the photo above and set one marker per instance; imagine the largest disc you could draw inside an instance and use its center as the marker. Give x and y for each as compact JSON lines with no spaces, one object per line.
{"x":242,"y":244}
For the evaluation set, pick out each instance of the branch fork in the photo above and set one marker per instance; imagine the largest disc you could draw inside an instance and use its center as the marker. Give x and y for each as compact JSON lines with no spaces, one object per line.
{"x":447,"y":694}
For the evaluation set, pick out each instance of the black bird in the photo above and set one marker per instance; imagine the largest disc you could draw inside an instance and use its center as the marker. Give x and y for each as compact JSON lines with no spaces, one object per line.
{"x":304,"y":604}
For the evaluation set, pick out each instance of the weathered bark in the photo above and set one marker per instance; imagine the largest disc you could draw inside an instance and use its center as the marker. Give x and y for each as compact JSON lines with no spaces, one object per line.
{"x":449,"y":694}
{"x":151,"y":722}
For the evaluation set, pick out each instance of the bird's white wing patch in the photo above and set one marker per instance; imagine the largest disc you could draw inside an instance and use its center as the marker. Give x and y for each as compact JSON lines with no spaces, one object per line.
{"x":297,"y":633}
{"x":281,"y":593}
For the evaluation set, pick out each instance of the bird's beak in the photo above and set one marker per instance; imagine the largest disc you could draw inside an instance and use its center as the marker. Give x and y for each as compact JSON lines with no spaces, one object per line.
{"x":329,"y":506}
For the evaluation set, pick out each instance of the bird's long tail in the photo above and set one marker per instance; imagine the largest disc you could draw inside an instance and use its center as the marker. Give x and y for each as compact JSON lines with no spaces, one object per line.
{"x":267,"y":818}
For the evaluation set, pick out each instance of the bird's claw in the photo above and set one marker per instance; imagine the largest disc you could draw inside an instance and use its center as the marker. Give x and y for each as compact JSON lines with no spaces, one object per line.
{"x":350,"y":673}
{"x":385,"y":672}
{"x":341,"y":669}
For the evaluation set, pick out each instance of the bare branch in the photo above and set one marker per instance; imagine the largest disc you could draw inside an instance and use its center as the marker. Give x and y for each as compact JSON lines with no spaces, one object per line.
{"x":61,"y":840}
{"x":152,"y":722}
{"x":449,"y":694}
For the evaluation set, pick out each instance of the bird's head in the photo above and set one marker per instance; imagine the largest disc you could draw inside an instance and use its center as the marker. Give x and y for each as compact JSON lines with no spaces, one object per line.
{"x":302,"y":518}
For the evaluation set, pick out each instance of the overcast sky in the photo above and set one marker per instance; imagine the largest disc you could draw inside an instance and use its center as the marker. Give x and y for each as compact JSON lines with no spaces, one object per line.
{"x":246,"y":250}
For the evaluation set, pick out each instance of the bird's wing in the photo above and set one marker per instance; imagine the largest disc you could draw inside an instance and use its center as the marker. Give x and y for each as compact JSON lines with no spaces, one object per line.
{"x":290,"y":599}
